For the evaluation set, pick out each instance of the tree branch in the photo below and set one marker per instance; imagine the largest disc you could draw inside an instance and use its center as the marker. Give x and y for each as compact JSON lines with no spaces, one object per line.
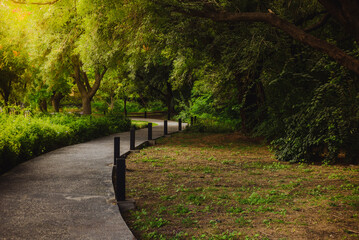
{"x":319,"y":24}
{"x":77,"y":78}
{"x":346,"y":12}
{"x":98,"y":77}
{"x":35,"y":3}
{"x":86,"y":81}
{"x":103,"y":72}
{"x":307,"y":18}
{"x":157,"y":90}
{"x":296,"y":33}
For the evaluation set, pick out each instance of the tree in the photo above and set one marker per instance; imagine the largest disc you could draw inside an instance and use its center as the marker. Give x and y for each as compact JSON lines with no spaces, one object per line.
{"x":13,"y":55}
{"x":75,"y":41}
{"x":82,"y":81}
{"x":57,"y":96}
{"x":223,"y":55}
{"x":344,"y":11}
{"x":153,"y":82}
{"x":6,"y":80}
{"x":261,"y":76}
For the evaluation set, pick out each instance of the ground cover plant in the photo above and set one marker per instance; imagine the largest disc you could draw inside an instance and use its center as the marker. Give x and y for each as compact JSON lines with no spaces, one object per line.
{"x":22,"y":138}
{"x":227,"y":186}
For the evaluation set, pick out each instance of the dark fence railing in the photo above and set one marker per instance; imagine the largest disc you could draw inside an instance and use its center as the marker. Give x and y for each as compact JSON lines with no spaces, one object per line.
{"x":147,"y":114}
{"x":119,"y":165}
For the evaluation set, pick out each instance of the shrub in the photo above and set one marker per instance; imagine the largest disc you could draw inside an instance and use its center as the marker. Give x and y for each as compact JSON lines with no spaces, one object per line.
{"x":118,"y":121}
{"x":100,"y":107}
{"x":22,"y":138}
{"x":322,"y":130}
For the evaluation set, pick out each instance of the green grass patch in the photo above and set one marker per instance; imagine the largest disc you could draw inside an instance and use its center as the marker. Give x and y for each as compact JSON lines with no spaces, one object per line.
{"x":205,"y":184}
{"x":141,"y":124}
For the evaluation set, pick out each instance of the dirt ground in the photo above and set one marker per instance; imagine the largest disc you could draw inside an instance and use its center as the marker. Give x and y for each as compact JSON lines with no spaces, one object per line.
{"x":227,"y":186}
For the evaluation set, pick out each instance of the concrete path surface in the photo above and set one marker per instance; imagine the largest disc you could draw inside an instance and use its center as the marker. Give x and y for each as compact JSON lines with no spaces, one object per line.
{"x":67,"y":193}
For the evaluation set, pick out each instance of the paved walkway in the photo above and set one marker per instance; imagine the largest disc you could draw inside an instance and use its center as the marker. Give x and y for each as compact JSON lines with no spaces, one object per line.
{"x":67,"y":193}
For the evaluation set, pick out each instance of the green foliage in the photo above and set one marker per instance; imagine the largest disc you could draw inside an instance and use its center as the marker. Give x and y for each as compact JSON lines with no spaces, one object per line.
{"x":269,"y":86}
{"x":117,"y":121}
{"x":212,"y":117}
{"x":212,"y":126}
{"x":100,"y":107}
{"x":233,"y":74}
{"x":323,"y":129}
{"x":22,"y":138}
{"x":201,"y":105}
{"x":13,"y":58}
{"x":134,"y":106}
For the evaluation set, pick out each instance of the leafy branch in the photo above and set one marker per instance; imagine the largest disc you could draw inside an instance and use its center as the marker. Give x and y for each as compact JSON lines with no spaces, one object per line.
{"x":35,"y":3}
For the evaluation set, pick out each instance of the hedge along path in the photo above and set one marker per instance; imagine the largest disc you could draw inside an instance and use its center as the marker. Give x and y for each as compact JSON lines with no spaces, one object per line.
{"x":67,"y":193}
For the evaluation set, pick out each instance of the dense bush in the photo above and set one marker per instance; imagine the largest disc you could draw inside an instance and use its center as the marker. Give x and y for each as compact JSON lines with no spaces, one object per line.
{"x":22,"y":138}
{"x":118,"y":122}
{"x":322,"y":131}
{"x":212,"y":117}
{"x":306,"y":119}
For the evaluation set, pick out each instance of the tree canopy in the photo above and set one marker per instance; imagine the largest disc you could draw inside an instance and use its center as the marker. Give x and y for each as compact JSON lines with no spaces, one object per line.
{"x":285,"y":70}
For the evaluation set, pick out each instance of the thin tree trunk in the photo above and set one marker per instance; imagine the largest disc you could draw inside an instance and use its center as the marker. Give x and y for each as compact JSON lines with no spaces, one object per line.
{"x":55,"y":101}
{"x":6,"y":99}
{"x":169,"y":98}
{"x":112,"y":103}
{"x":168,"y":108}
{"x":125,"y":106}
{"x":55,"y":105}
{"x":5,"y":93}
{"x":43,"y":105}
{"x":241,"y":101}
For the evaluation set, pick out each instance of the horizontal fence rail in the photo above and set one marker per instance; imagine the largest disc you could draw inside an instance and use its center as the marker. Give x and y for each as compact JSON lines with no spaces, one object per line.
{"x":147,"y":114}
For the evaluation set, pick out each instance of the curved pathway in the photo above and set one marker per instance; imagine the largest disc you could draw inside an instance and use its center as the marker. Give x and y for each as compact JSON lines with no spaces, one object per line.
{"x":67,"y":193}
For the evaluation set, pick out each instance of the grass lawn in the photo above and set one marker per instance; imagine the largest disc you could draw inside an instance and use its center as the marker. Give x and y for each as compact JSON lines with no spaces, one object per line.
{"x":226,"y":186}
{"x":141,"y":124}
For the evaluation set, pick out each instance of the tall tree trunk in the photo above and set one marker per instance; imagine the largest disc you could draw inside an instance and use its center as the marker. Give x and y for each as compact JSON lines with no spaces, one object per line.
{"x":43,"y":105}
{"x":241,"y":86}
{"x":168,"y":108}
{"x":112,"y":103}
{"x":87,"y":92}
{"x":55,"y":100}
{"x":169,"y":97}
{"x":6,"y":90}
{"x":6,"y":99}
{"x":86,"y":105}
{"x":260,"y":93}
{"x":251,"y":97}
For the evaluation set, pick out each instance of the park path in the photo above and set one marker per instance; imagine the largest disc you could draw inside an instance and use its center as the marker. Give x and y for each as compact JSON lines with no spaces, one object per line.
{"x":68,"y":193}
